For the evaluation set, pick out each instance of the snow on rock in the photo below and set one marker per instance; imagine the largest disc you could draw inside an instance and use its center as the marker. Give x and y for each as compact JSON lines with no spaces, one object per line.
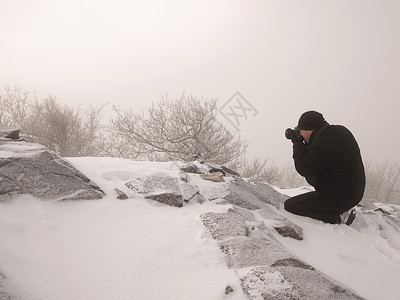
{"x":9,"y":132}
{"x":29,"y":168}
{"x":223,"y":225}
{"x":214,"y":177}
{"x":281,"y":224}
{"x":265,"y":268}
{"x":160,"y":187}
{"x":263,"y":283}
{"x":364,"y":257}
{"x":218,"y":240}
{"x":252,"y":195}
{"x":191,"y":168}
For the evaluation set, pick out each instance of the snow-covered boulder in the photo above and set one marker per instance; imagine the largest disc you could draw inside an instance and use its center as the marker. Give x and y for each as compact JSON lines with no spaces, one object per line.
{"x":9,"y":132}
{"x":163,"y":188}
{"x":30,"y":168}
{"x":191,"y":168}
{"x":214,"y":177}
{"x":236,"y":243}
{"x":252,"y":195}
{"x":223,"y":225}
{"x":265,"y":268}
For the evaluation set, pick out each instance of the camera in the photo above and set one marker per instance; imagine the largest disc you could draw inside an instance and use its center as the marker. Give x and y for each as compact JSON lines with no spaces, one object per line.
{"x":288,"y":132}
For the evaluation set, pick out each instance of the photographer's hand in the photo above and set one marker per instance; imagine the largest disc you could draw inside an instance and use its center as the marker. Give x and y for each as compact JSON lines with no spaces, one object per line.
{"x":295,"y":138}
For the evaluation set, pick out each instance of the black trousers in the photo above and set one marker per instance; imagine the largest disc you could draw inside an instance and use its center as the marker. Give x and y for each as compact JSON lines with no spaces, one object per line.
{"x":312,"y":205}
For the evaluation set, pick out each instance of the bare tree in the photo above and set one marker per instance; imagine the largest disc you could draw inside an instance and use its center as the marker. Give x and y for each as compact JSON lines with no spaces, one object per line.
{"x":259,"y":170}
{"x":14,"y":107}
{"x":392,"y":192}
{"x":290,"y":178}
{"x":65,"y":130}
{"x":177,"y":129}
{"x":382,"y":182}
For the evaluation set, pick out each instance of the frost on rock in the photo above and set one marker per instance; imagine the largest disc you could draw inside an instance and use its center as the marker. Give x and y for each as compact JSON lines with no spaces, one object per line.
{"x":290,"y":282}
{"x":188,"y":191}
{"x":165,"y":189}
{"x":214,"y":177}
{"x":252,"y":195}
{"x":263,"y":283}
{"x":159,"y":187}
{"x":265,"y":268}
{"x":170,"y":199}
{"x":241,"y":197}
{"x":224,"y":225}
{"x":191,"y":168}
{"x":29,"y":168}
{"x":251,"y":251}
{"x":8,"y":132}
{"x":282,"y":225}
{"x":291,"y":262}
{"x":154,"y":184}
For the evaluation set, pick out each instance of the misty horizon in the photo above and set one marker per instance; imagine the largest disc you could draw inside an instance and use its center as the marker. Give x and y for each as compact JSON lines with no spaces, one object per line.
{"x":284,"y":58}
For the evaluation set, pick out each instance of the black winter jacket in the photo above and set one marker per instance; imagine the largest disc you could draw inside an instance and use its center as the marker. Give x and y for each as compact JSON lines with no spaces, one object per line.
{"x":332,"y":163}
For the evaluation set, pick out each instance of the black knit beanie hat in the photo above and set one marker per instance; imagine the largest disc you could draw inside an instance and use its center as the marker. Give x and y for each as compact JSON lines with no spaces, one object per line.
{"x":311,"y":120}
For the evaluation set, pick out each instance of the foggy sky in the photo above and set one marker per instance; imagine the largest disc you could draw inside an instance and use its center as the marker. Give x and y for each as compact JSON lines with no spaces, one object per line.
{"x":284,"y":57}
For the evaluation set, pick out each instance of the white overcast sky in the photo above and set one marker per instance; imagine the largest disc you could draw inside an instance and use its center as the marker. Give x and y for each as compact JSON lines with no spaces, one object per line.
{"x":340,"y":57}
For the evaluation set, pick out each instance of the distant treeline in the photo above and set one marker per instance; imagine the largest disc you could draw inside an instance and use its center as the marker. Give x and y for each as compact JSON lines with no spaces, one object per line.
{"x":169,"y":129}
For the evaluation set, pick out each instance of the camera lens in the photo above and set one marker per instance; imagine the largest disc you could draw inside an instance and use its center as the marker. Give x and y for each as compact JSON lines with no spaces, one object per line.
{"x":288,"y":133}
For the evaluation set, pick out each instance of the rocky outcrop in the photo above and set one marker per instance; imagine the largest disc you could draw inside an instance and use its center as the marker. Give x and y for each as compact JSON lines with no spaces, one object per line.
{"x":178,"y":190}
{"x":164,"y":189}
{"x":265,"y":269}
{"x":160,"y":187}
{"x":29,"y":168}
{"x":9,"y":132}
{"x":214,"y":177}
{"x":252,"y":195}
{"x":224,"y":225}
{"x":191,"y":168}
{"x":247,"y":234}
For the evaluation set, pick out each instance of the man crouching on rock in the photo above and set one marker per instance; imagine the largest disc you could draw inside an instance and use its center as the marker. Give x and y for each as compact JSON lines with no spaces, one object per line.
{"x":329,"y":158}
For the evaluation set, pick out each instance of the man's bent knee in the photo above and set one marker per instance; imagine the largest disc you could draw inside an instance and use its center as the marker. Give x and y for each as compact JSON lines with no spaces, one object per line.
{"x":288,"y":205}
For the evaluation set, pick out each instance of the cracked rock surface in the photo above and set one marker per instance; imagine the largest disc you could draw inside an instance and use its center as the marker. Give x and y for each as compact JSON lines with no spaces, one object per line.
{"x":265,"y":268}
{"x":252,"y":195}
{"x":29,"y":168}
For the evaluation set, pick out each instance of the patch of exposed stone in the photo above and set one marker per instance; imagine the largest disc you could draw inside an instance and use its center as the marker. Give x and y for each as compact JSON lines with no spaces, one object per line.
{"x":29,"y":168}
{"x":188,"y":191}
{"x":213,"y":168}
{"x":282,"y":226}
{"x":291,"y":262}
{"x":265,"y":268}
{"x":170,"y":199}
{"x":228,"y":290}
{"x":121,"y":195}
{"x":191,"y":168}
{"x":224,"y":225}
{"x":164,"y":188}
{"x":288,"y":231}
{"x":201,"y":167}
{"x":252,"y":195}
{"x":250,"y":251}
{"x":9,"y":132}
{"x":176,"y":191}
{"x":241,"y":197}
{"x":265,"y":283}
{"x":214,"y":177}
